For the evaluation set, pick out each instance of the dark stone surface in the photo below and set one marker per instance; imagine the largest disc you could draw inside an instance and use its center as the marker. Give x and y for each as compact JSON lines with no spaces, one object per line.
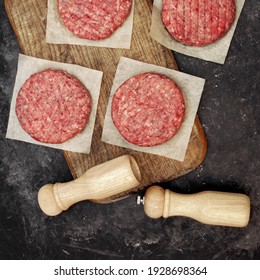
{"x":229,"y":111}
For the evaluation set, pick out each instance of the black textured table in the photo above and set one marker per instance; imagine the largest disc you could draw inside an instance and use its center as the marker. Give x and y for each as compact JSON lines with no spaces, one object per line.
{"x":229,"y":111}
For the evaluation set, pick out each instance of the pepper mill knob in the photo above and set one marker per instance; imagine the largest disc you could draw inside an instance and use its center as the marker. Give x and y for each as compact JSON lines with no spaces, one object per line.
{"x":208,"y":207}
{"x":154,"y":202}
{"x":110,"y":178}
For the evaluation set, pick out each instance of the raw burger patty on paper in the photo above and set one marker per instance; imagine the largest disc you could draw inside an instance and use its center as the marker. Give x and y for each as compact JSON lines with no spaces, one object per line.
{"x":52,"y":106}
{"x":198,"y":22}
{"x":93,"y":19}
{"x":148,"y":109}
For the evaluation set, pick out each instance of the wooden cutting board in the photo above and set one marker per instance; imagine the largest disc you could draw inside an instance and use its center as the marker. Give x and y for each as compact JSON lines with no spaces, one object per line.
{"x":28,"y":19}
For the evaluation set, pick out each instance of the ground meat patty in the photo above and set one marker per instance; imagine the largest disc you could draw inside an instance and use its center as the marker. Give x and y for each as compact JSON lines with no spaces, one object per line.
{"x":53,"y":106}
{"x":198,"y":22}
{"x":93,"y":19}
{"x":148,"y":109}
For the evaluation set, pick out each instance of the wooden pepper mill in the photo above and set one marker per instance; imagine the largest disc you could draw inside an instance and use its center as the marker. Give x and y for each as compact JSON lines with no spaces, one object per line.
{"x":102,"y":181}
{"x":208,"y":207}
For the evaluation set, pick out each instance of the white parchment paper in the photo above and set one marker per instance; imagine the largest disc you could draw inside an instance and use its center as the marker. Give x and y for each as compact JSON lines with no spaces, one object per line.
{"x":91,"y":79}
{"x":191,"y":88}
{"x":57,"y":33}
{"x":215,"y":52}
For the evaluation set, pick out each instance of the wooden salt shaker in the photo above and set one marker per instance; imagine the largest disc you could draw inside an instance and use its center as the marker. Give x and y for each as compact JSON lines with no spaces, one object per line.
{"x":208,"y":207}
{"x":104,"y":180}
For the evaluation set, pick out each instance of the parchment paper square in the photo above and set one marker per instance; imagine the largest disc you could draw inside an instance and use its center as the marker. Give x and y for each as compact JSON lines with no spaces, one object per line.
{"x":191,"y":88}
{"x":57,"y":33}
{"x":215,"y":52}
{"x":91,"y":79}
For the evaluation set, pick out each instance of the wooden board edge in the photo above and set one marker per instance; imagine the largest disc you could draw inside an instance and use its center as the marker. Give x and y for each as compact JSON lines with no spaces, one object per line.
{"x":9,"y":15}
{"x":71,"y":168}
{"x":203,"y":139}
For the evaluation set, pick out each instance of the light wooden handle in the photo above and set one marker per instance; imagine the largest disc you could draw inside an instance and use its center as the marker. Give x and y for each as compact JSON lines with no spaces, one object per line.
{"x":102,"y":181}
{"x":208,"y":207}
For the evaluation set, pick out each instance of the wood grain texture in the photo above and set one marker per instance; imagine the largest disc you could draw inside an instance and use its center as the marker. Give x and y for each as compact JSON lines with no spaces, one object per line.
{"x":28,"y":19}
{"x":208,"y":207}
{"x":99,"y":182}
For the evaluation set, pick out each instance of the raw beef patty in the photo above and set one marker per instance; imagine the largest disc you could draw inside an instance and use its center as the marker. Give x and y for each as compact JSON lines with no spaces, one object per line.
{"x":148,"y":109}
{"x":198,"y":22}
{"x":52,"y":106}
{"x":93,"y":19}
